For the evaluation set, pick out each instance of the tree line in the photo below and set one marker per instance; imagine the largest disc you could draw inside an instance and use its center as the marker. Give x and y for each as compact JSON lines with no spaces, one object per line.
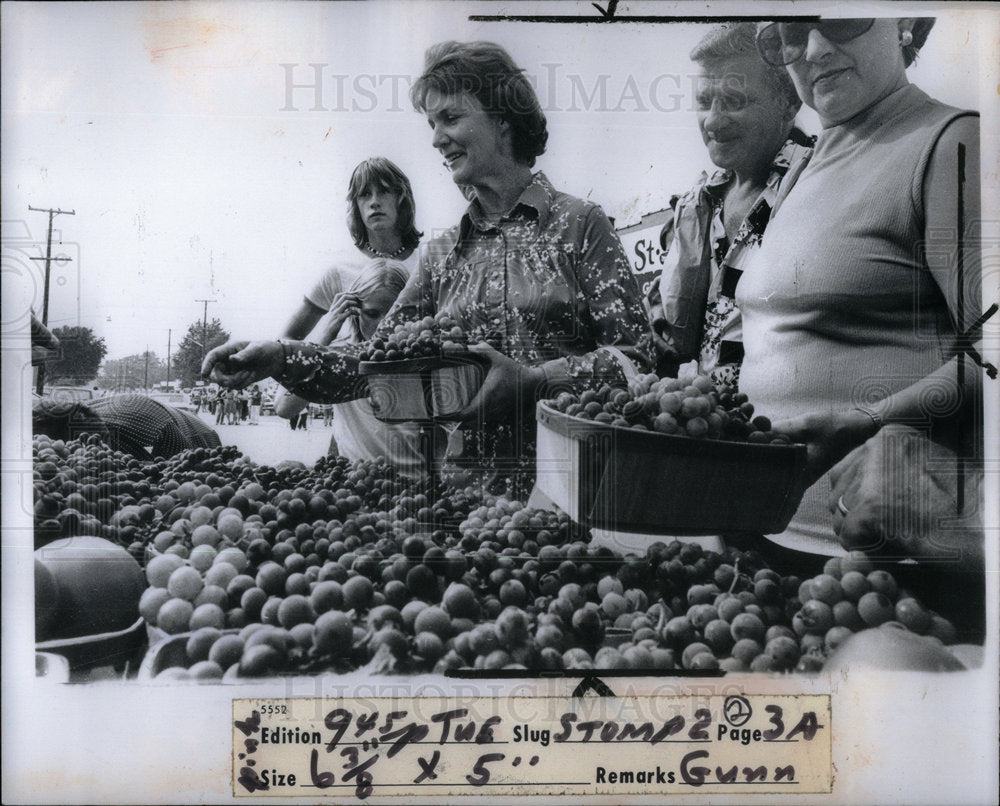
{"x":80,"y":360}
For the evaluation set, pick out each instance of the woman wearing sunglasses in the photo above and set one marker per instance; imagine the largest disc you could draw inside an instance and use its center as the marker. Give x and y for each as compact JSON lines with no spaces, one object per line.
{"x":853,"y":305}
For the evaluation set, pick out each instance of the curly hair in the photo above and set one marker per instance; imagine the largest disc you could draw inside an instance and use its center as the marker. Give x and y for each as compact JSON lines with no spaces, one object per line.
{"x":380,"y":173}
{"x":486,"y":71}
{"x":736,"y":40}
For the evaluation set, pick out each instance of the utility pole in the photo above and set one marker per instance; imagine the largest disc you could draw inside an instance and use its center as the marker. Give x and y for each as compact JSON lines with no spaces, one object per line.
{"x":45,"y":294}
{"x":145,"y":373}
{"x":169,"y":331}
{"x":204,"y":327}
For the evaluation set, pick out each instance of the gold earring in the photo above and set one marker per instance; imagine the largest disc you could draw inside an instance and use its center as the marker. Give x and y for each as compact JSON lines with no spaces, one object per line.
{"x":906,"y":39}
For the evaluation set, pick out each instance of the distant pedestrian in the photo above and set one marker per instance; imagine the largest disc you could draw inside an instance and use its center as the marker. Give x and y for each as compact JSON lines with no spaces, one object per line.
{"x":256,"y":396}
{"x":231,"y":406}
{"x":220,"y":406}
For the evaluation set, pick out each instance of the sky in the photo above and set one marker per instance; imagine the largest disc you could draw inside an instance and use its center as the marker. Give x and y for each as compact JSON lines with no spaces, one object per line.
{"x":204,"y":159}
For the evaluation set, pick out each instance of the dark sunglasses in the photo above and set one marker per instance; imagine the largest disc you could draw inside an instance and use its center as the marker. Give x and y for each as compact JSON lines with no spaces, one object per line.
{"x":782,"y":43}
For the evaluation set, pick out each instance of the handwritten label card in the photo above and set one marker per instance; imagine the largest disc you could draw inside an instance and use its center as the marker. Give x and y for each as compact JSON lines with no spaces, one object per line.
{"x":364,"y":748}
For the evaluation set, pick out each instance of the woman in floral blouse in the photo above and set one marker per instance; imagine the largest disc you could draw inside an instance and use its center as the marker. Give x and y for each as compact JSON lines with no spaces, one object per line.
{"x":538,"y":278}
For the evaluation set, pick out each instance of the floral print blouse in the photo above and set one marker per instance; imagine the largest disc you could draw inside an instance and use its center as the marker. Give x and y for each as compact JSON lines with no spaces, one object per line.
{"x":547,"y":285}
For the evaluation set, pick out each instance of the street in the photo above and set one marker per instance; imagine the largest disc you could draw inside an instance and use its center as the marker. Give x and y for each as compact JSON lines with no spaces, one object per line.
{"x":273,"y":441}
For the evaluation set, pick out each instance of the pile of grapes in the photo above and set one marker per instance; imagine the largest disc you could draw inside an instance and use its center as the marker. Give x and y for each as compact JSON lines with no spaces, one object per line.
{"x":691,"y":407}
{"x":83,"y":487}
{"x":343,"y":566}
{"x":422,"y":338}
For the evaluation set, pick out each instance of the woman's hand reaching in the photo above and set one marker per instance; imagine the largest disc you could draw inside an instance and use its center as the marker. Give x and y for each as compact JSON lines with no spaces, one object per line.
{"x":238,"y":364}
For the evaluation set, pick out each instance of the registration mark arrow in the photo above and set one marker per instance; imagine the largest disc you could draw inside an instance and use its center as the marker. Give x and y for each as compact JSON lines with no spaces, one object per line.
{"x":610,"y":12}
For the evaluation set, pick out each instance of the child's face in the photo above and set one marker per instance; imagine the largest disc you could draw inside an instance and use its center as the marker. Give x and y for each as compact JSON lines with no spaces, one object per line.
{"x":374,"y":307}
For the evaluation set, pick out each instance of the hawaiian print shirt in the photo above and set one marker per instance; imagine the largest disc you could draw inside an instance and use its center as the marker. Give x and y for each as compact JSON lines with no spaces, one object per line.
{"x":697,"y":291}
{"x":547,"y":285}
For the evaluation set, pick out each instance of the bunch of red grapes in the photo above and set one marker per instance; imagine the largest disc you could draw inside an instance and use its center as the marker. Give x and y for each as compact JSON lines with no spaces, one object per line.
{"x":429,"y":337}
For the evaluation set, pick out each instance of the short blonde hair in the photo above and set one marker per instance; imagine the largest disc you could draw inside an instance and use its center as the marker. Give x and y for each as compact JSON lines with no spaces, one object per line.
{"x":380,"y":273}
{"x":377,"y":273}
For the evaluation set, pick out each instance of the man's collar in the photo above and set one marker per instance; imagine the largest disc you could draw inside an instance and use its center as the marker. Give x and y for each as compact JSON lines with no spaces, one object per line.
{"x":715,"y":185}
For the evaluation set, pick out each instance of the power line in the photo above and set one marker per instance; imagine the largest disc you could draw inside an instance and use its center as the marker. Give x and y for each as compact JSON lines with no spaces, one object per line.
{"x":48,"y":261}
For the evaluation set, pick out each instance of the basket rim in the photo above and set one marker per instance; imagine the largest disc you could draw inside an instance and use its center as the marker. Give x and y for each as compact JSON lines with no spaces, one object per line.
{"x":54,"y":644}
{"x":413,"y":366}
{"x":650,"y":441}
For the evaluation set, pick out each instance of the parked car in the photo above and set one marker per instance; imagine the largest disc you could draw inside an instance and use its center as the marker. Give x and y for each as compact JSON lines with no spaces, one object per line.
{"x":178,"y":400}
{"x":75,"y":394}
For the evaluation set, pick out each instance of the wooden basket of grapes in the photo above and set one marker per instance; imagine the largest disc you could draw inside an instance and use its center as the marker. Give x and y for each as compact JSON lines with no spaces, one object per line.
{"x":618,"y":473}
{"x":423,"y":390}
